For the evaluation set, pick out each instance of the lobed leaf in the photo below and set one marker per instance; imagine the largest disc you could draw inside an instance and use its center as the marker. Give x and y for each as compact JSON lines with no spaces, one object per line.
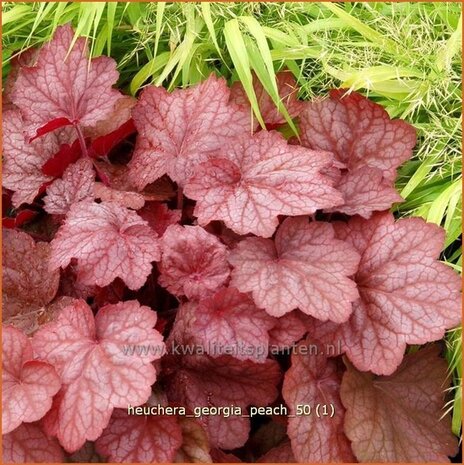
{"x":256,"y":179}
{"x":89,"y":355}
{"x":108,"y":241}
{"x":304,"y":267}
{"x":65,"y":87}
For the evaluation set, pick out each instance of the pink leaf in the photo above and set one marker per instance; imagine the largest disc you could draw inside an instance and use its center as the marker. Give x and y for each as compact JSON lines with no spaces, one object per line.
{"x":226,"y":323}
{"x":29,"y":444}
{"x":305,"y":267}
{"x":22,"y":161}
{"x":400,"y":418}
{"x":109,"y":241}
{"x":193,"y":262}
{"x":288,"y":329}
{"x":65,"y":84}
{"x":312,"y":380}
{"x":365,"y":190}
{"x":28,"y":285}
{"x":258,"y":178}
{"x":140,"y":439}
{"x":25,"y":58}
{"x":98,"y":372}
{"x":159,"y":216}
{"x":76,"y":185}
{"x":360,"y":134}
{"x":28,"y":385}
{"x":202,"y":381}
{"x":288,"y":92}
{"x":179,"y":130}
{"x":406,"y":295}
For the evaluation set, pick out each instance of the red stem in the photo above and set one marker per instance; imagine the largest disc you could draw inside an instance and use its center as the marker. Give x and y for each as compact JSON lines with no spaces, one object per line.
{"x":81,"y":138}
{"x":180,"y":198}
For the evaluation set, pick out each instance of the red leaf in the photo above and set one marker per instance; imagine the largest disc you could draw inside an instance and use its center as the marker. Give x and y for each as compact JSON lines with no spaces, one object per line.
{"x":400,"y":418}
{"x":179,"y":130}
{"x":65,"y":85}
{"x":28,"y":385}
{"x":66,"y":155}
{"x":51,"y":126}
{"x":76,"y":185}
{"x":288,"y":92}
{"x":406,"y":295}
{"x":103,"y":144}
{"x":22,"y":161}
{"x":108,"y":241}
{"x":21,"y":218}
{"x":193,"y":262}
{"x":202,"y":381}
{"x":29,"y":444}
{"x":314,"y":380}
{"x":140,"y":439}
{"x":226,"y":323}
{"x":360,"y":134}
{"x":28,"y":285}
{"x":89,"y":355}
{"x":305,"y":267}
{"x":159,"y":216}
{"x":258,"y":178}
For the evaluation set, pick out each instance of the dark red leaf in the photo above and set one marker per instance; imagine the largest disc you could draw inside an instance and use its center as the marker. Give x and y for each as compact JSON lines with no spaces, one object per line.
{"x":103,"y":144}
{"x":66,"y":155}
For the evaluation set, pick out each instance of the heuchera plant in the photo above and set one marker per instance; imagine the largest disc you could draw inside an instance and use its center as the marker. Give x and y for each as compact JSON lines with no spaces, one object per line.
{"x":137,"y":226}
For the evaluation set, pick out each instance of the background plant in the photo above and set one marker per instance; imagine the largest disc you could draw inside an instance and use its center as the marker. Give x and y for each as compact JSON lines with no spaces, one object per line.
{"x":405,"y":56}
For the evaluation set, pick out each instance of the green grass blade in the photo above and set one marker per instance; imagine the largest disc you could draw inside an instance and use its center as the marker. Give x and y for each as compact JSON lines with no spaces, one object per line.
{"x":239,"y":55}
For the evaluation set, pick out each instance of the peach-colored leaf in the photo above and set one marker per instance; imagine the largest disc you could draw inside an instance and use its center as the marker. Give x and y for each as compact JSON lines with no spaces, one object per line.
{"x":257,"y":178}
{"x":76,"y":185}
{"x":28,"y":385}
{"x":29,"y":444}
{"x":314,"y":380}
{"x":305,"y":267}
{"x":66,"y":85}
{"x":193,"y":262}
{"x":179,"y":130}
{"x":99,"y":365}
{"x":406,"y":295}
{"x":108,"y":241}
